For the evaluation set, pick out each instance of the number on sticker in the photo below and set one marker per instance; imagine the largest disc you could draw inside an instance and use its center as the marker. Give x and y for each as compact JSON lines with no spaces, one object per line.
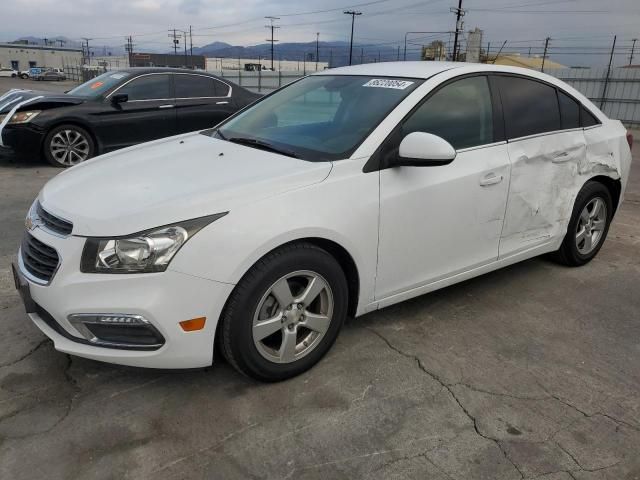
{"x":388,"y":83}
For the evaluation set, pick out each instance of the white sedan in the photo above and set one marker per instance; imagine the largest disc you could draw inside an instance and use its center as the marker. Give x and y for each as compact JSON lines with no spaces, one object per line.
{"x":8,"y":72}
{"x":345,"y":192}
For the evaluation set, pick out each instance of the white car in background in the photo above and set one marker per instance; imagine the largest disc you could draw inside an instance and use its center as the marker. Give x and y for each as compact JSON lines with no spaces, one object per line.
{"x":8,"y":72}
{"x":342,"y":193}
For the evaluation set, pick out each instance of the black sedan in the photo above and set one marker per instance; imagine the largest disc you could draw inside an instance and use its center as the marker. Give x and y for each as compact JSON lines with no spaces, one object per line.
{"x":115,"y":110}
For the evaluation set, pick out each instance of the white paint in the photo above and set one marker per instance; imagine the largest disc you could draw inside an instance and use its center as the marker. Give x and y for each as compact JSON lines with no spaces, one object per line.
{"x":409,"y":230}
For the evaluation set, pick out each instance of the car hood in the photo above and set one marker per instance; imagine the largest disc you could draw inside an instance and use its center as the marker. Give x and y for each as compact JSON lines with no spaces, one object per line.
{"x":171,"y":180}
{"x":50,"y":99}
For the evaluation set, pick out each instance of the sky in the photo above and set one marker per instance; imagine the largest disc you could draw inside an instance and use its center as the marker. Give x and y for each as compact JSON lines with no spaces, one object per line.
{"x":581,"y":31}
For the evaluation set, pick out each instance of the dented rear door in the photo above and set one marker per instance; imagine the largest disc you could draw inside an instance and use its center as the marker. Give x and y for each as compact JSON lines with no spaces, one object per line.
{"x":544,"y":184}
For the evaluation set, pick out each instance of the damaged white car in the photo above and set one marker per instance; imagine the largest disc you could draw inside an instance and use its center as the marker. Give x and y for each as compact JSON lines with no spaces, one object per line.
{"x":342,"y":193}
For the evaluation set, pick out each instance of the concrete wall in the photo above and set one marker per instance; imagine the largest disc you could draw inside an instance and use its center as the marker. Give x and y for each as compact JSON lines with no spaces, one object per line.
{"x":42,"y":56}
{"x":216,"y":64}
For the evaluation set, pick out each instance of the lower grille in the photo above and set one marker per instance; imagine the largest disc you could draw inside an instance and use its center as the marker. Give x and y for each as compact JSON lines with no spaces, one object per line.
{"x":39,"y":260}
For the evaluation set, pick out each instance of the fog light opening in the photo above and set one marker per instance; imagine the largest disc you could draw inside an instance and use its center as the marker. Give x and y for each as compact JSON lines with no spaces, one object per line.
{"x":117,"y":330}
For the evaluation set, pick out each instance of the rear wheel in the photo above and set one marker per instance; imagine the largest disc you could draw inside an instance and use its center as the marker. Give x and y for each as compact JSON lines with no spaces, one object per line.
{"x":285,"y":314}
{"x":68,"y":145}
{"x":588,"y":227}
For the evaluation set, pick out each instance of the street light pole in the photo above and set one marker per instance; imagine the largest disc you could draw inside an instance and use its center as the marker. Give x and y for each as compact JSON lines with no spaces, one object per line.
{"x":317,"y":49}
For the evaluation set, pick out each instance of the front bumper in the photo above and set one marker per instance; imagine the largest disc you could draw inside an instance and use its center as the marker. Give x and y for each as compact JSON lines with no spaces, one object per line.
{"x":23,"y":139}
{"x":164,"y":299}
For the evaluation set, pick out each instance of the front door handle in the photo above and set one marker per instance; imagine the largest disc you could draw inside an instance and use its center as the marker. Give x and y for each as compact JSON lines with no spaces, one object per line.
{"x":166,"y":106}
{"x":222,"y":103}
{"x":491,"y":179}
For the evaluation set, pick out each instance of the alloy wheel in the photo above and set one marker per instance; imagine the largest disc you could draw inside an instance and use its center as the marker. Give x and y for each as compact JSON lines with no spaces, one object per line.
{"x":69,"y":147}
{"x":591,"y":225}
{"x":293,"y":316}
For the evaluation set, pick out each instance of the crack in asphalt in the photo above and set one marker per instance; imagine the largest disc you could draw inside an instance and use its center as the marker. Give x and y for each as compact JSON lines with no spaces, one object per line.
{"x":449,"y":388}
{"x":26,"y":355}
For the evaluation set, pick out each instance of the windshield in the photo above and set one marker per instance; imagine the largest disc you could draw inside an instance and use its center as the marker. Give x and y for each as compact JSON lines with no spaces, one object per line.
{"x":319,"y":118}
{"x":100,"y":85}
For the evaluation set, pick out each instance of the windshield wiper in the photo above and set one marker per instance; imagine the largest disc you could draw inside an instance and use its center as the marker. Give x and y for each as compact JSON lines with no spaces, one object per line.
{"x":252,"y":142}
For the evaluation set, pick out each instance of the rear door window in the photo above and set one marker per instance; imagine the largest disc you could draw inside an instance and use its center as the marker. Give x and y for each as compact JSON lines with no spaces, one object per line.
{"x":194,"y":86}
{"x":569,"y":111}
{"x":530,"y":107}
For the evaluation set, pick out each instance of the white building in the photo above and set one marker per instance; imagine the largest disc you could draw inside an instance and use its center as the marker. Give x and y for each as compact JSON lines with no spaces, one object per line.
{"x":216,"y":64}
{"x":21,"y":56}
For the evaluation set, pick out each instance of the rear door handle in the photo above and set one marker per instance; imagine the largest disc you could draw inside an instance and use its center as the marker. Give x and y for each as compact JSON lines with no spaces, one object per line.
{"x":166,"y":106}
{"x":561,"y":157}
{"x":222,"y":103}
{"x":491,"y":179}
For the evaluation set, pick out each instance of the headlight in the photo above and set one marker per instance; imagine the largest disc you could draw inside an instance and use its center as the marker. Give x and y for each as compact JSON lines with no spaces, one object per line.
{"x":144,"y":252}
{"x":23,"y":117}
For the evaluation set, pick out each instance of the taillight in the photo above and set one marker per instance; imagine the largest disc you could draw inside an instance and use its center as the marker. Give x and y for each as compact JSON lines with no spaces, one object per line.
{"x":630,"y":139}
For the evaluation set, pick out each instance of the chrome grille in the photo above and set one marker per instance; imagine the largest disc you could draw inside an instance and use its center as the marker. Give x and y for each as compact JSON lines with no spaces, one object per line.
{"x":53,"y":223}
{"x":39,"y":260}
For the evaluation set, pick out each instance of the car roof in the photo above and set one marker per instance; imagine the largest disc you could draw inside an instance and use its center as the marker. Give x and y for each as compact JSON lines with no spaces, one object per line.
{"x":425,"y":69}
{"x":163,"y":70}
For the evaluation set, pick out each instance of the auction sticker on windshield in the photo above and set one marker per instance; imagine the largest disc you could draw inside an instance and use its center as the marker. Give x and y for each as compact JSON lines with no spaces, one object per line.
{"x":388,"y":83}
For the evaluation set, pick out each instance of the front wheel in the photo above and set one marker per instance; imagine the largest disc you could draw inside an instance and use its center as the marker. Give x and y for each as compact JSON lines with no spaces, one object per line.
{"x":68,"y":145}
{"x":285,"y":313}
{"x":588,"y":227}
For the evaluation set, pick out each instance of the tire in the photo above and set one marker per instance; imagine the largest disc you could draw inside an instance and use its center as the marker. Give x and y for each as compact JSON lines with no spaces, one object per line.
{"x":262,"y":355}
{"x":576,"y":251}
{"x":81,"y":141}
{"x":24,"y":77}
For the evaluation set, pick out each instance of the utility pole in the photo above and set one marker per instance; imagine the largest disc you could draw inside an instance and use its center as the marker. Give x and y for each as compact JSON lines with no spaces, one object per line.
{"x":459,"y":14}
{"x":317,"y":49}
{"x":353,"y":14}
{"x":330,"y":57}
{"x":176,"y":42}
{"x":606,"y":80}
{"x":191,"y":44}
{"x":86,"y":40}
{"x":129,"y":48}
{"x":633,"y":48}
{"x":361,"y":56}
{"x":185,"y":48}
{"x":398,"y":57}
{"x":272,"y":41}
{"x":544,"y":55}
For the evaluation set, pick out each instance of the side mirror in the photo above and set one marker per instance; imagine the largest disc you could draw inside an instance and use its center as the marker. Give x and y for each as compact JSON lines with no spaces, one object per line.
{"x":421,"y":149}
{"x":119,"y":98}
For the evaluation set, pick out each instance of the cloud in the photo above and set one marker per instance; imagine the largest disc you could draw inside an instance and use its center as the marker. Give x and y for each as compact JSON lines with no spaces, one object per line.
{"x":190,"y":7}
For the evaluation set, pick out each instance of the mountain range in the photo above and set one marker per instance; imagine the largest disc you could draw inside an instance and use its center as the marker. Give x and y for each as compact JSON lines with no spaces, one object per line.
{"x":335,"y":53}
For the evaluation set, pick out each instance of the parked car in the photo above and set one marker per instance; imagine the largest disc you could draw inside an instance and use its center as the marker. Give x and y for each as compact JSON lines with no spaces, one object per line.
{"x":114,"y":110}
{"x":342,"y":193}
{"x":50,"y":76}
{"x":8,"y":72}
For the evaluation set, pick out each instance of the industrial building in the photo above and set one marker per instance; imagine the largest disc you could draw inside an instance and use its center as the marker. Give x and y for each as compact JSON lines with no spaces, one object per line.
{"x":20,"y":56}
